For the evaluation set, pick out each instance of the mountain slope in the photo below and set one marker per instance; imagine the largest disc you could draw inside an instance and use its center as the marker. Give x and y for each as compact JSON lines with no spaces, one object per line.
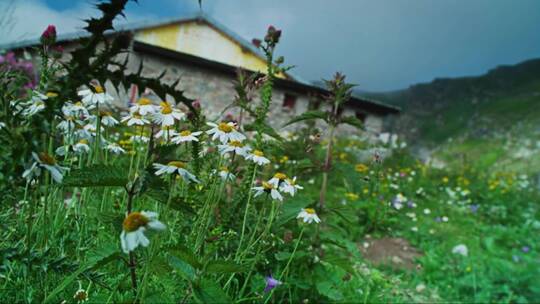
{"x":491,"y":120}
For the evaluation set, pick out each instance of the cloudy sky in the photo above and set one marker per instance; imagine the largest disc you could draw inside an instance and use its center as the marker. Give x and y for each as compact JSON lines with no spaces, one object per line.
{"x":380,"y":44}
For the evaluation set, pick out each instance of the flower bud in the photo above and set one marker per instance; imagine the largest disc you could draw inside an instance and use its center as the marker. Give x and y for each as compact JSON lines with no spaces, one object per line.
{"x":256,"y":42}
{"x":49,"y":35}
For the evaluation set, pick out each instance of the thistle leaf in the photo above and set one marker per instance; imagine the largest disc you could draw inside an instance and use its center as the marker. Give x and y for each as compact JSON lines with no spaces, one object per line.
{"x":97,"y":176}
{"x":309,"y":115}
{"x":353,"y":121}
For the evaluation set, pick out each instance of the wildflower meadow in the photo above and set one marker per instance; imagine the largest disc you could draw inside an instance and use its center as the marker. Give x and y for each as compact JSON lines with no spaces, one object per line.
{"x":156,"y":203}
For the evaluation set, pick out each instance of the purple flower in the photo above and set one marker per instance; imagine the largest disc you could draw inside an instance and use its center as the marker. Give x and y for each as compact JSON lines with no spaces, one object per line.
{"x":271,"y":283}
{"x":474,"y":208}
{"x":525,"y":249}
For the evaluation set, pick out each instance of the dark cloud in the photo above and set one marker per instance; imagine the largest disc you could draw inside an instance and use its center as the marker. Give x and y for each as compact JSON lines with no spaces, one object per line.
{"x":380,"y":45}
{"x":384,"y":44}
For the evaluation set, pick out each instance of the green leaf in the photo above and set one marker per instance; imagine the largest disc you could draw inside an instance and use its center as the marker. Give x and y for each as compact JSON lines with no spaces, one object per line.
{"x":97,"y":259}
{"x":309,"y":115}
{"x":222,"y":266}
{"x":330,"y":290}
{"x":353,"y":121}
{"x":186,"y":255}
{"x":97,"y":176}
{"x":266,"y":129}
{"x":284,"y":255}
{"x":291,"y":209}
{"x":210,"y":292}
{"x":340,"y":262}
{"x":184,"y":268}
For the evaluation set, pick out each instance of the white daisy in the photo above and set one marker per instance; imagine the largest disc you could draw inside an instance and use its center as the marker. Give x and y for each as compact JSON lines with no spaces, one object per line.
{"x":67,"y":124}
{"x":167,"y":115}
{"x":308,"y":215}
{"x":186,"y":136}
{"x":225,"y":175}
{"x":460,"y":249}
{"x":177,"y":167}
{"x":107,"y":119}
{"x":135,"y":118}
{"x":277,"y":179}
{"x":75,"y":109}
{"x":95,"y":95}
{"x":134,"y":226}
{"x":115,"y":148}
{"x":35,"y":105}
{"x":47,"y":162}
{"x":166,"y":132}
{"x":144,"y":107}
{"x":2,"y":125}
{"x":139,"y":138}
{"x":81,"y":146}
{"x":234,"y":146}
{"x":257,"y":157}
{"x":269,"y":189}
{"x":225,"y":132}
{"x":290,"y":186}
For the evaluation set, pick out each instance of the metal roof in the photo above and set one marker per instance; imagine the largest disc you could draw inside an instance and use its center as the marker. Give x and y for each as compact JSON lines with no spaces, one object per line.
{"x":199,"y":16}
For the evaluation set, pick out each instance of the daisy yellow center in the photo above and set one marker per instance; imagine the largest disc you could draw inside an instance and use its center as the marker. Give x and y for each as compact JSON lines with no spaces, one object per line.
{"x":280,"y":176}
{"x":235,"y":143}
{"x":225,"y":127}
{"x":310,"y":210}
{"x":134,"y":221}
{"x":166,"y":108}
{"x":47,"y":159}
{"x":177,"y":164}
{"x":83,"y":141}
{"x":144,"y":102}
{"x":224,"y":169}
{"x":267,"y":186}
{"x":79,"y":104}
{"x":105,"y":113}
{"x":51,"y":94}
{"x":99,"y":89}
{"x":185,"y":133}
{"x":69,"y":118}
{"x":136,"y":115}
{"x":258,"y":153}
{"x":361,"y":168}
{"x":80,"y":296}
{"x":291,"y":181}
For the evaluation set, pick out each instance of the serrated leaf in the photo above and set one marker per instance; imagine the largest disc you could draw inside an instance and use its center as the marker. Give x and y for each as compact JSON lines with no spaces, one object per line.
{"x":97,"y":176}
{"x":266,"y":129}
{"x":222,"y":266}
{"x":185,"y":269}
{"x":284,"y":255}
{"x":186,"y":255}
{"x":309,"y":115}
{"x":353,"y":121}
{"x":210,"y":292}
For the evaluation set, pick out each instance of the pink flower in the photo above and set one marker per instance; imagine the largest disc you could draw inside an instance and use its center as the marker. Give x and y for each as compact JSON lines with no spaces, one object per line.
{"x":49,"y":35}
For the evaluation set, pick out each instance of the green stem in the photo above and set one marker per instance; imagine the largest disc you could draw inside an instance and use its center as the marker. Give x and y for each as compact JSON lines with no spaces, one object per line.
{"x":285,"y":270}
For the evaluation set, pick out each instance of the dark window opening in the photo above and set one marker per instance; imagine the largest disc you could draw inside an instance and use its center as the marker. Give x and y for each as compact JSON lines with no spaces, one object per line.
{"x":361,"y":116}
{"x":289,"y":101}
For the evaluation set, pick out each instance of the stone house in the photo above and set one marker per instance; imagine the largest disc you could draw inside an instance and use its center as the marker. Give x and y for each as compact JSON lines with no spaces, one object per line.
{"x":207,"y":55}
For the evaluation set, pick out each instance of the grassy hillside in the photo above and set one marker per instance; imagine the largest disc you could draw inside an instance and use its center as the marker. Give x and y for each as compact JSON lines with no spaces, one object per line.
{"x":491,"y":121}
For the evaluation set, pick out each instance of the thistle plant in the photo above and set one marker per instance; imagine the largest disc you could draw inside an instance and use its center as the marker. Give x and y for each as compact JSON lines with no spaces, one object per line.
{"x":340,"y":93}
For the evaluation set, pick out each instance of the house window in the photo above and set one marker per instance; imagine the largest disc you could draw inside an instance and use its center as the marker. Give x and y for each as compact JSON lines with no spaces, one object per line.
{"x":289,"y":101}
{"x":361,"y":116}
